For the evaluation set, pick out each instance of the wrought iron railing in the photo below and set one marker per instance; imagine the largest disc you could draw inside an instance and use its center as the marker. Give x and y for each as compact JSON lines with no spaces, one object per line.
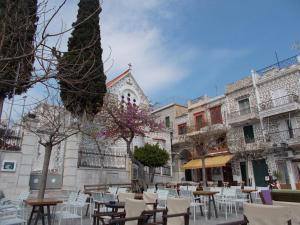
{"x":96,"y":160}
{"x":279,"y":65}
{"x":283,"y":136}
{"x":243,"y":112}
{"x":10,"y":140}
{"x":287,"y":99}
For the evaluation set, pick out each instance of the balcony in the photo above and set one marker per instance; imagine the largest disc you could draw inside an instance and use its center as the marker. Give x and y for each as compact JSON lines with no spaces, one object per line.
{"x":193,"y":130}
{"x":240,"y":117}
{"x":284,"y":138}
{"x":280,"y":105}
{"x":10,"y":140}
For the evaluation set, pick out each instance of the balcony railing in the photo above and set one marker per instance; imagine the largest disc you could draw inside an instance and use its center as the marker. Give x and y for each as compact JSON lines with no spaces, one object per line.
{"x":10,"y":140}
{"x":243,"y":113}
{"x":96,"y":160}
{"x":281,"y":64}
{"x":284,"y":100}
{"x":285,"y":136}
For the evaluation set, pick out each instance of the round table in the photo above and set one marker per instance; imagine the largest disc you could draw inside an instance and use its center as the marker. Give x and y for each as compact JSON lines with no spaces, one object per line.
{"x":115,"y":205}
{"x":38,"y":208}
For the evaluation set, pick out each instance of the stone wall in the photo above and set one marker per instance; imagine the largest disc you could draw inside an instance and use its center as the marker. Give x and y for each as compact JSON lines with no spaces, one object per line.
{"x":289,"y":82}
{"x":13,"y":183}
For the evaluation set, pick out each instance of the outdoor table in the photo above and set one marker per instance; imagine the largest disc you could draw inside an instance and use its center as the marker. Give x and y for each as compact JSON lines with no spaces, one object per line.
{"x":38,"y":208}
{"x":115,"y":206}
{"x":248,"y":192}
{"x":211,"y":198}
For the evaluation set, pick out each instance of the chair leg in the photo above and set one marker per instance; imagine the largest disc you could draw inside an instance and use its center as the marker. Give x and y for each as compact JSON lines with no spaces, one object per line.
{"x":194,"y":214}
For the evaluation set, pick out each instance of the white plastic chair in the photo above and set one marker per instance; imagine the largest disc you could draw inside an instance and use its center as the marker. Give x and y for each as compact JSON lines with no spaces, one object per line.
{"x":162,"y":197}
{"x":74,"y":210}
{"x":11,"y":218}
{"x":172,"y":193}
{"x":188,"y":194}
{"x":121,"y":190}
{"x":113,"y":190}
{"x":151,"y":190}
{"x":228,"y":201}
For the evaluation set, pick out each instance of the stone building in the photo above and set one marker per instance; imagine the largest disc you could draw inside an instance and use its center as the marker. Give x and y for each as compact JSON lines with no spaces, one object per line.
{"x":76,"y":161}
{"x":205,"y":115}
{"x":263,"y":113}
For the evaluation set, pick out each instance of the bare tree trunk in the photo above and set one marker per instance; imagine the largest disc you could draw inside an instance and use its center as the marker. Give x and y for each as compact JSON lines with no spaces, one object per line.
{"x":203,"y":171}
{"x":152,"y":173}
{"x":141,"y":173}
{"x":1,"y":106}
{"x":42,"y":188}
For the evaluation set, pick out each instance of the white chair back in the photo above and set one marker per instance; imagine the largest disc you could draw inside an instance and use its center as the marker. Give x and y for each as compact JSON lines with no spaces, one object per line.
{"x":151,"y":190}
{"x":107,"y":197}
{"x":134,"y":208}
{"x":125,"y":195}
{"x":121,"y":190}
{"x":236,"y":187}
{"x":192,"y":188}
{"x":162,"y":194}
{"x":80,"y":200}
{"x":229,"y":192}
{"x":97,"y":196}
{"x":177,"y":205}
{"x":217,"y":189}
{"x":172,"y":193}
{"x":113,"y":190}
{"x":258,"y":214}
{"x":183,"y":187}
{"x":23,"y":196}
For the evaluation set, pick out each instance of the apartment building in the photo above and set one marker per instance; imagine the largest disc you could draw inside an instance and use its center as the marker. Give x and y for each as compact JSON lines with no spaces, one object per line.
{"x":263,"y":113}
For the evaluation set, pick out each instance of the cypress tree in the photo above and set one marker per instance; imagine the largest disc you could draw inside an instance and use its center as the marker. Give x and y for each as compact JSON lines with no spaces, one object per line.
{"x":80,"y":71}
{"x":17,"y":31}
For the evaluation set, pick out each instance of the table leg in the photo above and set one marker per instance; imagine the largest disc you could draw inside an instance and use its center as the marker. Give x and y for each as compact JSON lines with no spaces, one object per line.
{"x":250,"y":198}
{"x":209,"y":207}
{"x":43,"y":214}
{"x":49,"y":214}
{"x":216,"y":211}
{"x":38,"y":215}
{"x":31,"y":214}
{"x":201,"y":211}
{"x":53,"y":213}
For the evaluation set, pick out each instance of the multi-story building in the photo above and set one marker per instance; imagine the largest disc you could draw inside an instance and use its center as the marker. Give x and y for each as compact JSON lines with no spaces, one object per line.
{"x":264,"y":113}
{"x":204,"y":115}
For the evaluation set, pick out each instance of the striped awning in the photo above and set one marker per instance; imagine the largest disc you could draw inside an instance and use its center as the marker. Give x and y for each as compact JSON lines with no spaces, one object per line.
{"x":210,"y":162}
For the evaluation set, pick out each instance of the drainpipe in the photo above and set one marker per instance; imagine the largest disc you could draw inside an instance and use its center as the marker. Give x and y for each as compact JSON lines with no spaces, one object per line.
{"x":254,"y":76}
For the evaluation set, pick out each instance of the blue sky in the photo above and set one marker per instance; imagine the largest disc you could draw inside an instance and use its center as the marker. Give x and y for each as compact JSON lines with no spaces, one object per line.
{"x":182,"y":49}
{"x":229,"y":38}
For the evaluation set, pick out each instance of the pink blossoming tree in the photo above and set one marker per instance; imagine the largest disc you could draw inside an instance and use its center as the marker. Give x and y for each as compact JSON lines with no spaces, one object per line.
{"x":125,"y":121}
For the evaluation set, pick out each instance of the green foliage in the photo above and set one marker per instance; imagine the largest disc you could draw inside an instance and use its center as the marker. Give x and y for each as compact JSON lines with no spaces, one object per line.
{"x":81,"y":75}
{"x":151,"y":155}
{"x":17,"y":30}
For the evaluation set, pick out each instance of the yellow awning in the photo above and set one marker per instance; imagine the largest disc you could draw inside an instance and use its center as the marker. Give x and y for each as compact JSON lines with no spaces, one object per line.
{"x":210,"y":162}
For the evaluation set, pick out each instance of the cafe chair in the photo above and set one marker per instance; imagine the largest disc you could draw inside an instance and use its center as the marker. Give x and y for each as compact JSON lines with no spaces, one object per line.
{"x":187,"y":194}
{"x":294,"y":208}
{"x":162,"y":197}
{"x":150,"y":199}
{"x":258,"y":214}
{"x":74,"y":210}
{"x":178,"y":212}
{"x":131,"y":215}
{"x":11,"y":217}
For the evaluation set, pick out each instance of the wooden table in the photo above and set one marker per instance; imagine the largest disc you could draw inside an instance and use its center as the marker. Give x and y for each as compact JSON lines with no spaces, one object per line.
{"x":248,"y":192}
{"x":210,"y":195}
{"x":38,"y":208}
